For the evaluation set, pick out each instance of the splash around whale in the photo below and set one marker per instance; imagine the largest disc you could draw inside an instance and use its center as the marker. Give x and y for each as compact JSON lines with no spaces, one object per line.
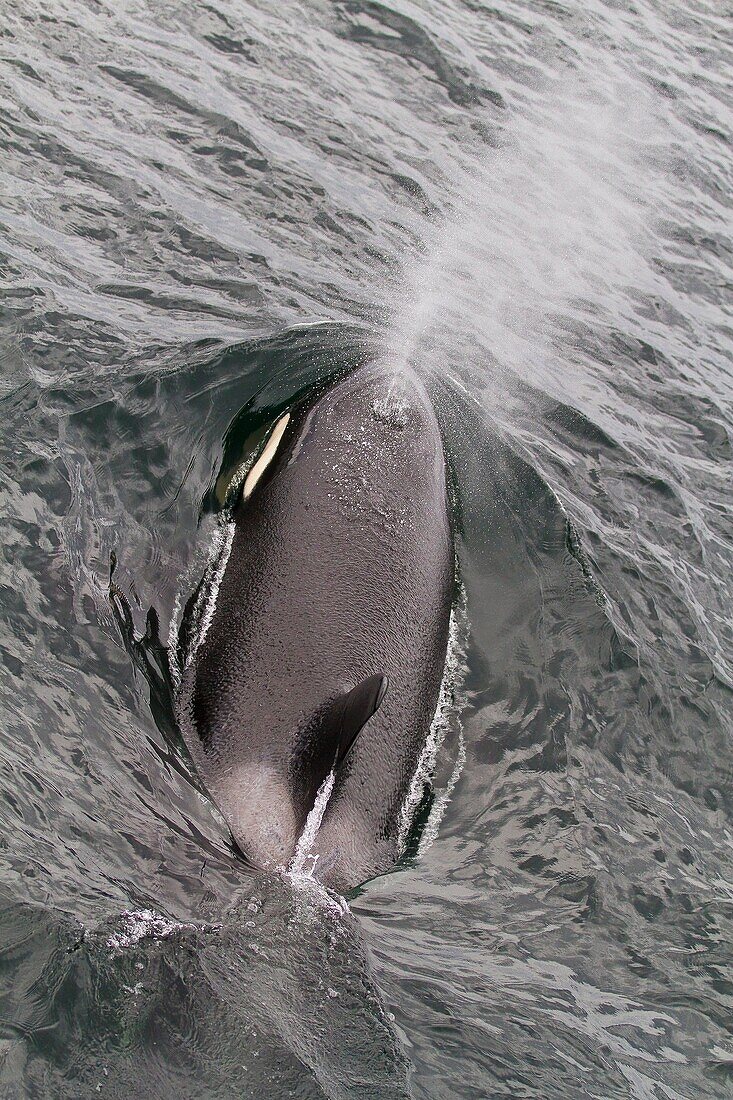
{"x":318,"y":660}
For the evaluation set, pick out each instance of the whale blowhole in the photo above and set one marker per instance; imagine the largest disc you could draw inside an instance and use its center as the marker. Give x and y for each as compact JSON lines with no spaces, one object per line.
{"x":392,"y":411}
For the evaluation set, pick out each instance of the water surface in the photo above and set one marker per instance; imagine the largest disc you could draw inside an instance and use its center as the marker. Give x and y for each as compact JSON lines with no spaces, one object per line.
{"x":208,"y":209}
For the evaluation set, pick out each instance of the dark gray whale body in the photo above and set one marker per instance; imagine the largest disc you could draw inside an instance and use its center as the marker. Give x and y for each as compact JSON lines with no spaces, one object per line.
{"x":328,"y":638}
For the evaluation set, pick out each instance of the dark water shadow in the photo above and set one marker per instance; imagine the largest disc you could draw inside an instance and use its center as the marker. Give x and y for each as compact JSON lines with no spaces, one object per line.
{"x":272,"y":997}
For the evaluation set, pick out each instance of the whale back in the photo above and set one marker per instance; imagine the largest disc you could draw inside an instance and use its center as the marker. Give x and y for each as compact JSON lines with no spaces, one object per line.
{"x":326,"y":646}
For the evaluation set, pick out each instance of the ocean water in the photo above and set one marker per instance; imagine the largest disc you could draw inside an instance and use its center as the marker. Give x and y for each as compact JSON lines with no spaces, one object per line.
{"x":207,"y":209}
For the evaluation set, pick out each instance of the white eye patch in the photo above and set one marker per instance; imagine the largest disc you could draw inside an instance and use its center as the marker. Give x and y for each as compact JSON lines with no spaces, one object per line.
{"x":268,"y":453}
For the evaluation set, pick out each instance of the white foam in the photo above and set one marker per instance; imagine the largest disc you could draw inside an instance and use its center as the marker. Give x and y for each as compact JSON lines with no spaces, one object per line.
{"x":139,"y":923}
{"x":312,"y":891}
{"x":310,"y":830}
{"x":447,"y":716}
{"x":432,"y":825}
{"x":223,"y":540}
{"x":212,"y":568}
{"x":174,"y":629}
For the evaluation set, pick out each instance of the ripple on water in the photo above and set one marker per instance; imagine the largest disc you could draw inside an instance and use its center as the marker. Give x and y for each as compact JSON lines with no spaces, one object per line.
{"x":529,"y":203}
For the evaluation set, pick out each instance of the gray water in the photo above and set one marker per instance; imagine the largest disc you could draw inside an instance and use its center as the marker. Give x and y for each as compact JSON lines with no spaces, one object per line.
{"x":207,"y":209}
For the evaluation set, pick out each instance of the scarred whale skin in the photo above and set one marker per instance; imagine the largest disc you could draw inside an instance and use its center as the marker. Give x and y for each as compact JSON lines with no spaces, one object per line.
{"x":327,"y":643}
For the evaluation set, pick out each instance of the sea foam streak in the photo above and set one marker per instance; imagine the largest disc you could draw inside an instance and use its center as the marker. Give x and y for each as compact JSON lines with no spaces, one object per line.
{"x":447,"y":717}
{"x":310,"y":830}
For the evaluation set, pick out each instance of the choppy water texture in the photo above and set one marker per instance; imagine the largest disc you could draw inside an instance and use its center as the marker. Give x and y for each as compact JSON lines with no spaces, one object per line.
{"x":531,"y":201}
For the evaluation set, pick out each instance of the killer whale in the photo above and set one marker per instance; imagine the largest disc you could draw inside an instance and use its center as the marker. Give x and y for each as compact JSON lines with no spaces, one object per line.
{"x":324,"y":649}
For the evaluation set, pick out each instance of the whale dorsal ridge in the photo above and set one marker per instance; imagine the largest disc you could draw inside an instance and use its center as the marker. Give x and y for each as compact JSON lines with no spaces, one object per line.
{"x":357,"y":707}
{"x":334,"y":731}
